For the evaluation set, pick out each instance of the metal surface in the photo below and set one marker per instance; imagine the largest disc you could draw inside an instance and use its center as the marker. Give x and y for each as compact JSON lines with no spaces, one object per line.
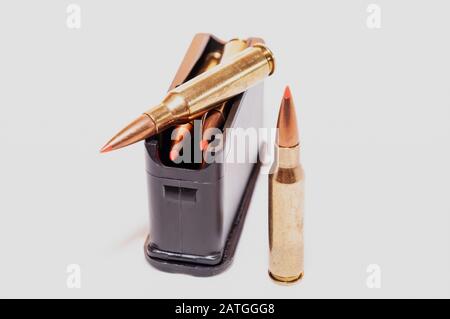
{"x":197,"y":234}
{"x":287,"y":122}
{"x":216,"y":117}
{"x":135,"y":131}
{"x":182,"y":133}
{"x":192,"y":55}
{"x":197,"y":96}
{"x":286,"y":200}
{"x":202,"y":93}
{"x":186,"y":129}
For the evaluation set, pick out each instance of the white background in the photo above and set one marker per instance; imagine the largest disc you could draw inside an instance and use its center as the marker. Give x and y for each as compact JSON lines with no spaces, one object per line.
{"x":374,"y":115}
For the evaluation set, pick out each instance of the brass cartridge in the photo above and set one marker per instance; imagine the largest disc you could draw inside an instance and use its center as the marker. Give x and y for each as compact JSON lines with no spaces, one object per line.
{"x":286,"y":200}
{"x":194,"y":98}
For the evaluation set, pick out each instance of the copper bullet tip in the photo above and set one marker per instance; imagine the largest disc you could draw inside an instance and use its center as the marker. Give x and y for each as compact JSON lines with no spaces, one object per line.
{"x":105,"y":149}
{"x":173,"y":155}
{"x":203,"y":145}
{"x":139,"y":129}
{"x":182,"y":132}
{"x":214,"y":120}
{"x":287,"y":93}
{"x":200,"y":94}
{"x":287,"y":122}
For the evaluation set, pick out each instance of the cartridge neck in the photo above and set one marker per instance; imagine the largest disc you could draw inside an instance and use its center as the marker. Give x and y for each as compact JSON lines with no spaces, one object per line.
{"x":247,"y":68}
{"x":287,"y":157}
{"x":173,"y":108}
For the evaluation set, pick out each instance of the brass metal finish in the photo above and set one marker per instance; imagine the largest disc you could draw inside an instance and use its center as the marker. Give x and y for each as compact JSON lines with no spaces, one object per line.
{"x":202,"y":93}
{"x":211,"y":60}
{"x":216,"y":117}
{"x":192,"y":55}
{"x":232,"y":48}
{"x":286,"y":201}
{"x":197,"y":96}
{"x":183,"y":130}
{"x":253,"y":41}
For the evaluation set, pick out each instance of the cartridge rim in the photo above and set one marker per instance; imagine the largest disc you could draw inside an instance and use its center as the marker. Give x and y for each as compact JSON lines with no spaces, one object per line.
{"x":286,"y":280}
{"x":268,"y":55}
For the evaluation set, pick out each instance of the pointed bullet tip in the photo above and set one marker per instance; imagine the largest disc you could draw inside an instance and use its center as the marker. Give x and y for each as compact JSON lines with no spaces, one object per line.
{"x":173,"y":155}
{"x":138,"y":130}
{"x":105,"y":149}
{"x":287,"y":122}
{"x":287,"y":92}
{"x":203,"y":145}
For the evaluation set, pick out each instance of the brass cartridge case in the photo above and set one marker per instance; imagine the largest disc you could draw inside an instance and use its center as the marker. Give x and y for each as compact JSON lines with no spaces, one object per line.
{"x":211,"y":60}
{"x":216,"y":117}
{"x":202,"y":93}
{"x":197,"y":96}
{"x":193,"y":54}
{"x":286,"y":206}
